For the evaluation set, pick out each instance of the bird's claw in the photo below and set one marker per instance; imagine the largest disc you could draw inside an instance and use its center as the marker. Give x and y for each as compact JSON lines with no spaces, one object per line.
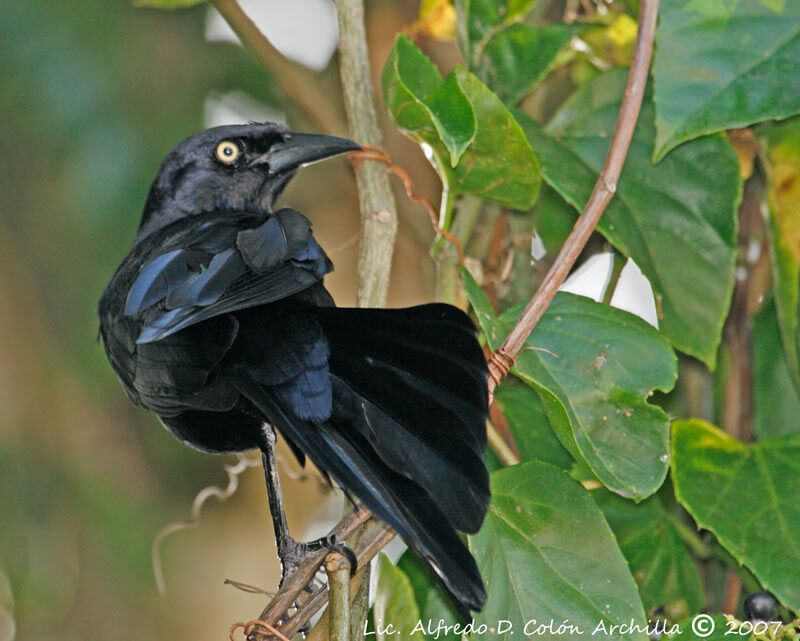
{"x":294,"y":553}
{"x":333,"y":543}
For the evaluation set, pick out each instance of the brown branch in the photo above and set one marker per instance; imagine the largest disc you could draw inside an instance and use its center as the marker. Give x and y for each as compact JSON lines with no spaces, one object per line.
{"x":292,"y":593}
{"x":736,"y":413}
{"x":296,"y":583}
{"x":603,"y":192}
{"x":299,"y":83}
{"x":376,"y":200}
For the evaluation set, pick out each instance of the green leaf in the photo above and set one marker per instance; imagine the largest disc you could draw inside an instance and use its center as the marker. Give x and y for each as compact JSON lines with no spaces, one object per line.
{"x":747,"y":496}
{"x":476,"y":145}
{"x":434,"y":605}
{"x":426,"y":108}
{"x":530,"y":426}
{"x":479,"y":20}
{"x":783,"y":170}
{"x":721,"y":64}
{"x":500,"y":165}
{"x":676,"y":220}
{"x":167,"y":4}
{"x":546,"y":553}
{"x":662,"y":566}
{"x":599,"y":367}
{"x":776,"y":403}
{"x":394,"y":605}
{"x":517,"y":58}
{"x":509,"y":56}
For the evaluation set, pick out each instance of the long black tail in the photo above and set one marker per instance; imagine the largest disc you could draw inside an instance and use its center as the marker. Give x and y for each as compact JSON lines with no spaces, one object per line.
{"x":407,"y":428}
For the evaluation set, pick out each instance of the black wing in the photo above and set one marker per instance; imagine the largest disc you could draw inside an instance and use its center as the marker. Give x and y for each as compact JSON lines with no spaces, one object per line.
{"x":197,"y":269}
{"x":222,"y":272}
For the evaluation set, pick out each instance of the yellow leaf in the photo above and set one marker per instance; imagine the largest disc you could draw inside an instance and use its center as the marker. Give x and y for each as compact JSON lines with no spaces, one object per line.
{"x":784,"y":192}
{"x":746,"y":147}
{"x":613,"y":42}
{"x":437,"y":18}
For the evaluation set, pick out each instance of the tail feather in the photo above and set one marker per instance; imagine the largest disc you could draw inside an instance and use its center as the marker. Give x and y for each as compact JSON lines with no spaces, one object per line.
{"x":423,"y":403}
{"x":431,"y":349}
{"x":457,"y":485}
{"x":410,"y":336}
{"x":350,"y":459}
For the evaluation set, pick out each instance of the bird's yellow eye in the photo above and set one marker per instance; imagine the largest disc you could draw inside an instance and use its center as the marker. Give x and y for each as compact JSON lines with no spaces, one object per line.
{"x":227,"y":152}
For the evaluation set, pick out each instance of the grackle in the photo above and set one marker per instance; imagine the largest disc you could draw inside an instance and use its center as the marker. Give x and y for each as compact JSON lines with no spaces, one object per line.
{"x":218,"y":321}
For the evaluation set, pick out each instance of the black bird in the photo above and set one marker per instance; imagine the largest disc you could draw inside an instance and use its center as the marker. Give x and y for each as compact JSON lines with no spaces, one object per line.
{"x":218,"y":321}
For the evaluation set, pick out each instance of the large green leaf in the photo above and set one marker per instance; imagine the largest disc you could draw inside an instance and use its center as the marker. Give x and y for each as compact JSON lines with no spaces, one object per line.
{"x":500,"y":165}
{"x":547,"y":554}
{"x":783,"y":169}
{"x":676,"y":220}
{"x":662,"y":566}
{"x":506,"y":54}
{"x":530,"y":426}
{"x":747,"y":495}
{"x":425,"y":107}
{"x":599,"y":367}
{"x":476,"y":145}
{"x":776,"y":403}
{"x":721,"y":64}
{"x":435,"y":608}
{"x":395,"y":612}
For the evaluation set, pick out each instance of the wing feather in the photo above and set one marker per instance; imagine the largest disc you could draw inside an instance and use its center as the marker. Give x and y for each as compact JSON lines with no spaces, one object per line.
{"x":230,"y":270}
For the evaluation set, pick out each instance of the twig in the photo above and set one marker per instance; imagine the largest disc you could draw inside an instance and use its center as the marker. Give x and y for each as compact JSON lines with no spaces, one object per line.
{"x":603,"y":192}
{"x":369,"y":545}
{"x":371,"y":152}
{"x":737,"y":407}
{"x":359,"y":608}
{"x":300,"y":84}
{"x":302,"y":576}
{"x":338,"y":570}
{"x":246,"y":587}
{"x":500,"y":448}
{"x":320,"y":630}
{"x":378,"y":209}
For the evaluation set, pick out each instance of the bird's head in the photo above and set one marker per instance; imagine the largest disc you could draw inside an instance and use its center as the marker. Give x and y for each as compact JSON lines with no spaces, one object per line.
{"x":232,"y":168}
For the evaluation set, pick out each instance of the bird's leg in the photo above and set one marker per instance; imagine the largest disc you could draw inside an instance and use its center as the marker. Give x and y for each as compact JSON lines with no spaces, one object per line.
{"x":290,"y":552}
{"x":282,"y":537}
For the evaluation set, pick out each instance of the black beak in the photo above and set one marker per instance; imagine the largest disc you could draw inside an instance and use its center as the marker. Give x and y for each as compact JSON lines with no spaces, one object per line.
{"x":303,"y":149}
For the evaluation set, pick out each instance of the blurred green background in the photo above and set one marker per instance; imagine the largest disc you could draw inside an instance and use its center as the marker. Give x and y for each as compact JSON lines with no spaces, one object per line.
{"x":94,"y":94}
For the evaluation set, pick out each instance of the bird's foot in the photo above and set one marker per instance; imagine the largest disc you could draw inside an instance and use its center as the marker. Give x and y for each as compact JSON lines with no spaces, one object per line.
{"x":294,"y":553}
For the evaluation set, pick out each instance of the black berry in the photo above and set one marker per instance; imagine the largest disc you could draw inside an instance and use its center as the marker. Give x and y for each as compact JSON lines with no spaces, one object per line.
{"x":760,"y":606}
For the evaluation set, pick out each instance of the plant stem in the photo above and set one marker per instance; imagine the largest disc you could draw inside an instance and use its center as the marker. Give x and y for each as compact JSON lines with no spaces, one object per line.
{"x":618,"y":262}
{"x":737,"y":410}
{"x":360,"y":606}
{"x":378,"y":209}
{"x":468,"y":213}
{"x":446,"y":209}
{"x":603,"y":192}
{"x":300,"y":84}
{"x":691,"y":539}
{"x":500,"y":448}
{"x":338,"y":570}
